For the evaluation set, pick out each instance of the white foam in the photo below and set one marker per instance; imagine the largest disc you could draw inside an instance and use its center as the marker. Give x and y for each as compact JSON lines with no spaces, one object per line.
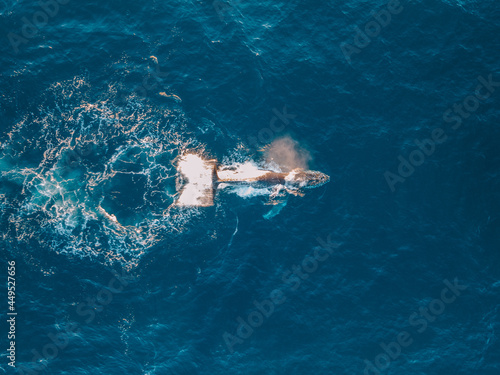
{"x":250,"y":191}
{"x":67,"y":203}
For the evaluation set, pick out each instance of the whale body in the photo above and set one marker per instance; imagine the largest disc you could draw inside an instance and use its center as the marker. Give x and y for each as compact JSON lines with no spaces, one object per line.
{"x":199,"y":178}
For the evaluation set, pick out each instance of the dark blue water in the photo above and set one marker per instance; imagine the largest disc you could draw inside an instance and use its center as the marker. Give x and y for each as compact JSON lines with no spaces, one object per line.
{"x":392,"y":267}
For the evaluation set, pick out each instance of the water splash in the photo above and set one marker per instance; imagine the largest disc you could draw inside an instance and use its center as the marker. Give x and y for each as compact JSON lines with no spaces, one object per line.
{"x":286,"y":153}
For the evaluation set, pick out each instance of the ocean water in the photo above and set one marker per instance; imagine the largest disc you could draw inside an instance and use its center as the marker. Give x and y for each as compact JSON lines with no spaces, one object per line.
{"x":392,"y":267}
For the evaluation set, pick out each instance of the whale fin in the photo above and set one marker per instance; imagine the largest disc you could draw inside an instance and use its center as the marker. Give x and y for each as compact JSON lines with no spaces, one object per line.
{"x":199,"y":174}
{"x":275,"y":210}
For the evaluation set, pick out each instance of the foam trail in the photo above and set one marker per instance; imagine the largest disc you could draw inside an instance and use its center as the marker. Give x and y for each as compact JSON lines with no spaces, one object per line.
{"x":95,"y":178}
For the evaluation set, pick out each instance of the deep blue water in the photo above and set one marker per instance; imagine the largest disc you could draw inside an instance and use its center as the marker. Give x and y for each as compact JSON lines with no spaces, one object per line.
{"x":99,"y":100}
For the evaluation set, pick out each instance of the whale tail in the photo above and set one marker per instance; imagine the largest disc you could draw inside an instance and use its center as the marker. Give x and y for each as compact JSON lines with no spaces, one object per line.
{"x":198,"y":177}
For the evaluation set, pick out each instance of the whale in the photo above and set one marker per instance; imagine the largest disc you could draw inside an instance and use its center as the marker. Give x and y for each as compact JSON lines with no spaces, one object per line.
{"x":198,"y":179}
